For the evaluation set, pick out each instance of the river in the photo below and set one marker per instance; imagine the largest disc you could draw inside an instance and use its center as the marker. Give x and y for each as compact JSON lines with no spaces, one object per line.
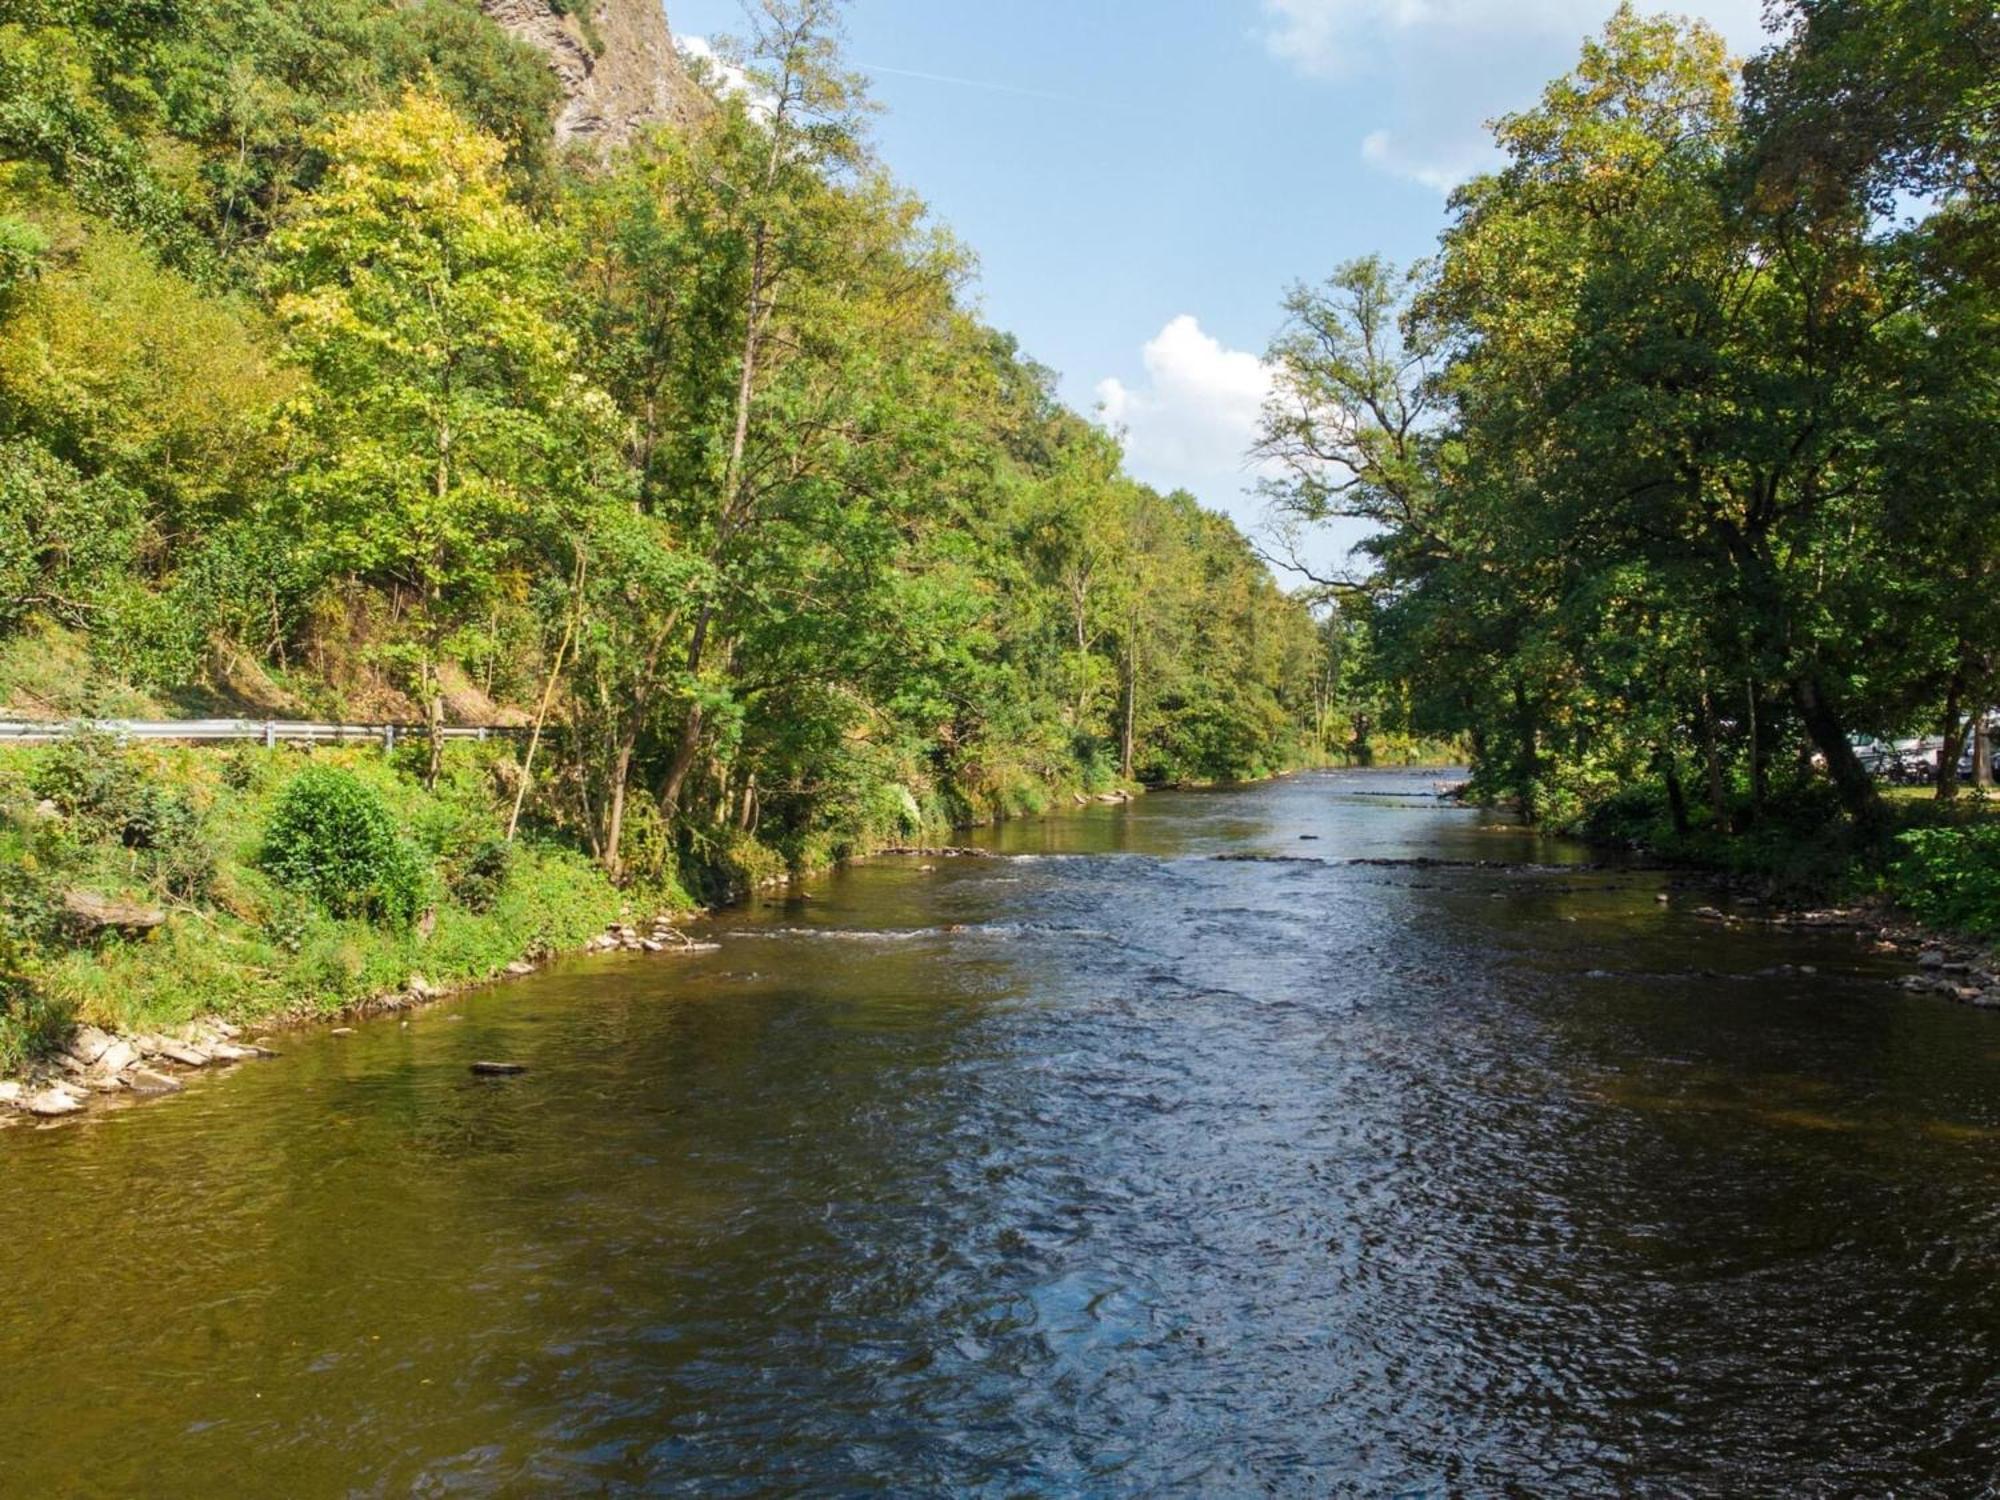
{"x":1111,"y":1165}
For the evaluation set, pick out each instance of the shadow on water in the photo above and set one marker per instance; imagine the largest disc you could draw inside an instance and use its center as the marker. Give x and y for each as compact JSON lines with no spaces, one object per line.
{"x":1107,"y":1165}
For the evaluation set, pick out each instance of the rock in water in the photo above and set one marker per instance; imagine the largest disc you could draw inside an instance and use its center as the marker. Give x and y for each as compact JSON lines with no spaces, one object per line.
{"x":152,"y":1081}
{"x":498,"y":1069}
{"x":50,"y":1103}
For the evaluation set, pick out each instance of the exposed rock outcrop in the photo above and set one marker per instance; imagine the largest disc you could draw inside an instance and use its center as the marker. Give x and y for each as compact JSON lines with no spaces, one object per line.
{"x":619,"y":73}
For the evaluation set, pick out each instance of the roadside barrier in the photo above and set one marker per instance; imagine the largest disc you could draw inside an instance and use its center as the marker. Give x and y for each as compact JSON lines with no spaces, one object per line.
{"x":268,"y":731}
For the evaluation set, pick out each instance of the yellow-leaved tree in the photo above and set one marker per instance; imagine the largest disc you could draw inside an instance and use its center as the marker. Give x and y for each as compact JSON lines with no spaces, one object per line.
{"x":446,"y":438}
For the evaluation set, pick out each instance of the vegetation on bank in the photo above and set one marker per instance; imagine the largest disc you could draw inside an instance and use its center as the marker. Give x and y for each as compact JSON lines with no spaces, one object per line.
{"x":282,"y":882}
{"x":330,"y":386}
{"x":1683,"y":452}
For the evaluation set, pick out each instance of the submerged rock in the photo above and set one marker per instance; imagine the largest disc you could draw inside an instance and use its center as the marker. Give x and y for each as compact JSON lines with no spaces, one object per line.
{"x":499,"y":1069}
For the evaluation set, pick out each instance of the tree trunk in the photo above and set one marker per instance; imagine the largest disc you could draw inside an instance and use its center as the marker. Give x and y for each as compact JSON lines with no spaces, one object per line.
{"x":548,"y":697}
{"x":434,"y":715}
{"x":1528,"y":768}
{"x":1677,"y":802}
{"x":614,"y":821}
{"x":1711,"y":756}
{"x":1951,"y":737}
{"x":1982,"y":753}
{"x":1760,"y":778}
{"x":688,"y":746}
{"x":1850,"y":779}
{"x":1128,"y":712}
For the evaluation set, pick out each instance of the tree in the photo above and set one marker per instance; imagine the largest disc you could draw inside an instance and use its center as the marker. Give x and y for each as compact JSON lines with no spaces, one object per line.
{"x":445,"y":435}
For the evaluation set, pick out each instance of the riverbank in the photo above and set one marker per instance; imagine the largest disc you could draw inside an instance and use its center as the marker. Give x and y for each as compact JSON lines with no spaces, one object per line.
{"x":149,"y":926}
{"x":1925,"y":883}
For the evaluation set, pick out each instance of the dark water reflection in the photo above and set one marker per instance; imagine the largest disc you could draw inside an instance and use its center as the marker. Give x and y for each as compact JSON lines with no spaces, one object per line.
{"x":1108,"y":1167}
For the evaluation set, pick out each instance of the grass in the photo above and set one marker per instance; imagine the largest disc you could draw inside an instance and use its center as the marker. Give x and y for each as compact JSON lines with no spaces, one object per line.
{"x":234,"y":942}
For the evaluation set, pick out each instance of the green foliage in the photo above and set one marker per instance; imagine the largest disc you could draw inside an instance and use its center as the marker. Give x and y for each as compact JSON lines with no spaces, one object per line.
{"x":332,"y":837}
{"x":1680,"y":456}
{"x":92,"y":778}
{"x":61,"y":535}
{"x":1950,"y":877}
{"x":31,"y":1022}
{"x":476,"y":873}
{"x":325,"y":382}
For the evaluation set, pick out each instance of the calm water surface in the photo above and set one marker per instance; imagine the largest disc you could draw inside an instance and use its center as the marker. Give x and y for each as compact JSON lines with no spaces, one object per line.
{"x":1112,"y":1166}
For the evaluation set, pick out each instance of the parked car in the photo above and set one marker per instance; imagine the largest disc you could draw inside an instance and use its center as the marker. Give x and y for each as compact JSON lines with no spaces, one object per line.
{"x":1913,"y":761}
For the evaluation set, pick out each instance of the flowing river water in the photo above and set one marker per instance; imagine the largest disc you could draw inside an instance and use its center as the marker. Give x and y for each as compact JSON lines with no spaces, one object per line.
{"x":1113,"y":1165}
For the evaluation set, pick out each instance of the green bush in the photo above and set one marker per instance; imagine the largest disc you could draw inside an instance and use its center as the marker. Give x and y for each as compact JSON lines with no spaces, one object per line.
{"x":332,"y":837}
{"x":1950,"y":877}
{"x":106,"y":793}
{"x":476,"y":874}
{"x":31,"y":1023}
{"x":92,"y":778}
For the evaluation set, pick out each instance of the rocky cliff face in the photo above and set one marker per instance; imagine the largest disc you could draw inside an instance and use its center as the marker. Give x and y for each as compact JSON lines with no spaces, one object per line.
{"x":635,"y":80}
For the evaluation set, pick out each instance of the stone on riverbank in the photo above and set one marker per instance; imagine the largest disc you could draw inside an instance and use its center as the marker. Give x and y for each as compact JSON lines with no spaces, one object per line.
{"x":152,"y":1081}
{"x":93,"y":911}
{"x":52,"y":1102}
{"x":87,"y":1044}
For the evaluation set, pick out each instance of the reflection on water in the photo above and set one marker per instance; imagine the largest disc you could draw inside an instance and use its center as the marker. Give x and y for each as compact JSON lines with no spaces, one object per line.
{"x":1108,"y":1165}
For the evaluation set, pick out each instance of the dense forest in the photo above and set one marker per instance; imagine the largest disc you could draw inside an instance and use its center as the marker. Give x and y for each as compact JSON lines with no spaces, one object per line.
{"x":1684,"y":450}
{"x":334,"y":384}
{"x":327,"y":379}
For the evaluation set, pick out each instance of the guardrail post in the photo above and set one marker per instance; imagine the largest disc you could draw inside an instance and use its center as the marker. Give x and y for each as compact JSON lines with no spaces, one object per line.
{"x":270,"y":734}
{"x":388,"y":736}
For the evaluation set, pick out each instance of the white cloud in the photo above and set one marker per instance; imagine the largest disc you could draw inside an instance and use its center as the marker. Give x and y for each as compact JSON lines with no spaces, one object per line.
{"x":1190,"y":425}
{"x":1440,"y":172}
{"x":1435,"y":71}
{"x":1191,"y":422}
{"x":724,"y":78}
{"x":1333,"y":37}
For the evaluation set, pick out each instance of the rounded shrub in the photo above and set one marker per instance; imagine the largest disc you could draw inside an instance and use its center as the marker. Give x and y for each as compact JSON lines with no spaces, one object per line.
{"x":332,"y":838}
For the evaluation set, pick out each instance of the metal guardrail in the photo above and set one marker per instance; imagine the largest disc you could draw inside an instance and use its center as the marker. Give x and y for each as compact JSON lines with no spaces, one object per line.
{"x":268,"y":731}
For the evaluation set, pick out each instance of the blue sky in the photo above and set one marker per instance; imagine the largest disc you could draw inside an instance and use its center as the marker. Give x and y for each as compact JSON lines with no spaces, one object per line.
{"x":1141,"y":179}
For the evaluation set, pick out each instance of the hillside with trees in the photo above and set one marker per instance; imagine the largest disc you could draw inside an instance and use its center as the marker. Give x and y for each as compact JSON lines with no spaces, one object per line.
{"x":331,"y":384}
